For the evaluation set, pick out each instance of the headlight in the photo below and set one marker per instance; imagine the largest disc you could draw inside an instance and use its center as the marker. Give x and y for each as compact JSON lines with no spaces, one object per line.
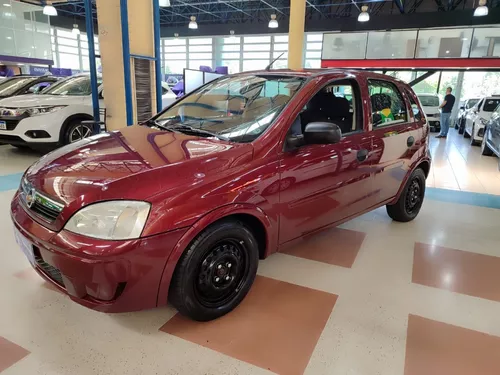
{"x":35,"y":111}
{"x":483,"y":121}
{"x":113,"y":220}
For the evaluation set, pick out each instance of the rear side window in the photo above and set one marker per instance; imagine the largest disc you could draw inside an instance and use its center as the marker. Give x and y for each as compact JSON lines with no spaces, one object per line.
{"x":388,"y":106}
{"x":490,"y":104}
{"x":414,"y":106}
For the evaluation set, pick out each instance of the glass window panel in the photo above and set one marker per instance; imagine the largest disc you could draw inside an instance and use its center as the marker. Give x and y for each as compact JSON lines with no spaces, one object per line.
{"x":388,"y":106}
{"x":67,"y":42}
{"x":254,"y":64}
{"x":83,"y":37}
{"x":69,"y":61}
{"x":231,"y":55}
{"x":198,"y":56}
{"x":314,"y":46}
{"x":174,"y":56}
{"x":7,"y":41}
{"x":231,"y":47}
{"x":313,"y":64}
{"x":257,"y":39}
{"x":257,"y":47}
{"x":195,"y":64}
{"x":65,"y":34}
{"x":84,"y":44}
{"x":52,"y":39}
{"x":175,"y":49}
{"x":42,"y":27}
{"x":444,"y":43}
{"x":281,"y":47}
{"x":68,"y":49}
{"x":344,"y":46}
{"x":233,"y":66}
{"x":86,"y":64}
{"x":281,"y":39}
{"x":313,"y":55}
{"x":280,"y":64}
{"x":391,"y":44}
{"x":231,"y":40}
{"x":486,"y":42}
{"x":175,"y":67}
{"x":314,"y":37}
{"x":200,"y":41}
{"x":175,"y":42}
{"x":256,"y":55}
{"x":200,"y":48}
{"x":85,"y":52}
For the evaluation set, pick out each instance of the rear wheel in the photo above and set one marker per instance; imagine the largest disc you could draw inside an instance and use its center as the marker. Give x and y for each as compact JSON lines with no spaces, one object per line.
{"x":466,"y":135}
{"x":461,"y":126}
{"x":410,"y":201}
{"x":215,"y":272}
{"x":485,"y":149}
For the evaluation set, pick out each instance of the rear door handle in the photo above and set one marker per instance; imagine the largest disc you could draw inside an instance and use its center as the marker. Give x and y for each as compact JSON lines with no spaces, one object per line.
{"x":362,"y":155}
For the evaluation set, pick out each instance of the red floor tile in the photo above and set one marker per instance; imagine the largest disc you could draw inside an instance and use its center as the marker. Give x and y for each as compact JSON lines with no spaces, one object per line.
{"x":334,"y":246}
{"x":276,"y":327}
{"x":458,"y":271}
{"x":10,"y":353}
{"x":435,"y":348}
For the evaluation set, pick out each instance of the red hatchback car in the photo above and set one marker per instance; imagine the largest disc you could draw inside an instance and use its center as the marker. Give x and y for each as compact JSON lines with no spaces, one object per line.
{"x":183,"y":206}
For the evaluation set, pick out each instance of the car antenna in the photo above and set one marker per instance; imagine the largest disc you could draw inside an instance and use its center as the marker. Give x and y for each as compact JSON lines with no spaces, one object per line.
{"x":268,"y":68}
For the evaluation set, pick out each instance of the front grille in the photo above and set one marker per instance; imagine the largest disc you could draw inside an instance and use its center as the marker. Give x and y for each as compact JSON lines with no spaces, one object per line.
{"x":49,"y":270}
{"x":41,"y":205}
{"x":46,"y":212}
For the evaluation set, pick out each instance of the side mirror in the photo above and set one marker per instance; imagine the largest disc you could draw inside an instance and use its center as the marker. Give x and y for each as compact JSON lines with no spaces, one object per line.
{"x":322,"y":133}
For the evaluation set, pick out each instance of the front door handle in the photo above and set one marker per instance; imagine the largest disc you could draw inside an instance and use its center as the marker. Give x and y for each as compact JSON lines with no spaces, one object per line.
{"x":362,"y":155}
{"x":410,"y":141}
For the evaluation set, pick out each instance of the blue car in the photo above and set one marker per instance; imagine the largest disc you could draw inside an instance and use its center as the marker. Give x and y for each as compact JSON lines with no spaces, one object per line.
{"x":491,"y":140}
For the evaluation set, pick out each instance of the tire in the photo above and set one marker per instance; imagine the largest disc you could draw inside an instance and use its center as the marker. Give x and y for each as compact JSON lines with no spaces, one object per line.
{"x":215,"y":272}
{"x":466,"y":135}
{"x":21,"y":147}
{"x":461,"y":127}
{"x":473,"y":142}
{"x":75,"y":126}
{"x":485,"y":149}
{"x":410,"y":201}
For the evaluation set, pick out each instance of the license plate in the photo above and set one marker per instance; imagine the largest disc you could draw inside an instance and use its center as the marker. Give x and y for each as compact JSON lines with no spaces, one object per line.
{"x":3,"y":125}
{"x":25,"y":246}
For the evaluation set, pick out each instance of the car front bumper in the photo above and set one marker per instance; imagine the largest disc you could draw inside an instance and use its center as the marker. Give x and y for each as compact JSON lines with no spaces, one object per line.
{"x":108,"y":276}
{"x":47,"y":126}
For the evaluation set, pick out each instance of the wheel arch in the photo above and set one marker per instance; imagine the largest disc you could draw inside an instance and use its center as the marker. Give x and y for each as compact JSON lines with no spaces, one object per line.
{"x":263,"y":227}
{"x":424,"y":164}
{"x":69,"y":120}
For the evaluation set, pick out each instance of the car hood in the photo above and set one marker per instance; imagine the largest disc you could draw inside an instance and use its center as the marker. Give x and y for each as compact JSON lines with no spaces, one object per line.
{"x":136,"y":162}
{"x":33,"y":100}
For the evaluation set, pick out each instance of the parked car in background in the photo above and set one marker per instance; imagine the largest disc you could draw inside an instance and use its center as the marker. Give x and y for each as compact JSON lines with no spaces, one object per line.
{"x":21,"y":85}
{"x":54,"y":117}
{"x":182,"y":207}
{"x":431,"y":104}
{"x":462,"y":113}
{"x":477,"y":118}
{"x":490,"y":144}
{"x":168,"y":97}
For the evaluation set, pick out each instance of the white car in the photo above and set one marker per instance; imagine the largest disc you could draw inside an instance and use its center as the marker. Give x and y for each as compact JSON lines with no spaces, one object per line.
{"x":477,"y":118}
{"x":54,"y":117}
{"x":430,"y":104}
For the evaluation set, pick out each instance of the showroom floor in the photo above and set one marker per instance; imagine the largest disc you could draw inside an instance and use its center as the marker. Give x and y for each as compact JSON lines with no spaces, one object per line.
{"x":371,"y":297}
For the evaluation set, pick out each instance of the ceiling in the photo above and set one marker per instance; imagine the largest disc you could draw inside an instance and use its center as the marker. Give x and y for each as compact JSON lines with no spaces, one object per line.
{"x":224,"y":12}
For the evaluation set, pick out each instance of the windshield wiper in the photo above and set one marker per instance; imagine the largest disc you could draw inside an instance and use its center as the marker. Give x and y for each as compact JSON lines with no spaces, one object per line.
{"x":189,"y":129}
{"x":157,"y":124}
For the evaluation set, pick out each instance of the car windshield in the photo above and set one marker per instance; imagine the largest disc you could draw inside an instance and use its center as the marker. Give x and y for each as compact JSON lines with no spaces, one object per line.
{"x":490,"y":104}
{"x":72,"y":86}
{"x":236,"y":108}
{"x":429,"y":100}
{"x":472,"y":102}
{"x":11,"y":85}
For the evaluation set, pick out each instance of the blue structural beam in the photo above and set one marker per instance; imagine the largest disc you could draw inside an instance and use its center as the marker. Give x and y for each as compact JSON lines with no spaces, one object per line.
{"x":89,"y":23}
{"x":158,"y":74}
{"x":126,"y":61}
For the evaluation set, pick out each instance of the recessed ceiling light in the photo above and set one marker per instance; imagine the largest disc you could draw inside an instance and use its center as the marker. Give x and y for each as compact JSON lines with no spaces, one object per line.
{"x":447,"y":51}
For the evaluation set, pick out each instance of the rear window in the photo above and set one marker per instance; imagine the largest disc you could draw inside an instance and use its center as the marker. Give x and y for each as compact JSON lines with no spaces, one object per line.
{"x":429,"y":101}
{"x":490,"y":104}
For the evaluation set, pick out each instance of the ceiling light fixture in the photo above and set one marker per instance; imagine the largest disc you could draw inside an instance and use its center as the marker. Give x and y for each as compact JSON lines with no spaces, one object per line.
{"x":6,"y":5}
{"x":273,"y":23}
{"x":231,"y":33}
{"x":49,"y":10}
{"x":193,"y":24}
{"x":176,"y":35}
{"x":164,"y":3}
{"x":364,"y":16}
{"x":481,"y":10}
{"x":75,"y":30}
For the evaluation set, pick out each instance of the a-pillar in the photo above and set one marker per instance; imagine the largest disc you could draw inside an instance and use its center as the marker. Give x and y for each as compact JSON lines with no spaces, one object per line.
{"x":296,"y":34}
{"x":112,"y":43}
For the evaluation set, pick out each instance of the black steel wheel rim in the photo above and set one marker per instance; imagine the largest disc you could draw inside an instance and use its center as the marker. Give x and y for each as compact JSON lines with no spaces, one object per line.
{"x":414,"y":196}
{"x":222,"y":272}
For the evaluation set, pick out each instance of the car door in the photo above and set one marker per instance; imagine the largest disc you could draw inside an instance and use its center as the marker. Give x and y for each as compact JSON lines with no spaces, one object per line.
{"x":472,"y":115}
{"x":321,"y":184}
{"x":494,"y":131}
{"x":396,"y":134}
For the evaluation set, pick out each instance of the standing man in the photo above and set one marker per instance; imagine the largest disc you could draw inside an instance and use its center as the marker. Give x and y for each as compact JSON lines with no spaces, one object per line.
{"x":446,"y":108}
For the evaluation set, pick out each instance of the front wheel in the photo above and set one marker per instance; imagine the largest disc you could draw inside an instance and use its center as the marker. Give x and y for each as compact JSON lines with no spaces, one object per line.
{"x":461,"y":126}
{"x":216,"y":271}
{"x":485,"y":149}
{"x":76,"y":131}
{"x":473,"y":142}
{"x":410,"y":201}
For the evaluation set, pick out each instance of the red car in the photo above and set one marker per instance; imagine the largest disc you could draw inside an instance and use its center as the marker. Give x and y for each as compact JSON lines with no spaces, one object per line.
{"x":182,"y":207}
